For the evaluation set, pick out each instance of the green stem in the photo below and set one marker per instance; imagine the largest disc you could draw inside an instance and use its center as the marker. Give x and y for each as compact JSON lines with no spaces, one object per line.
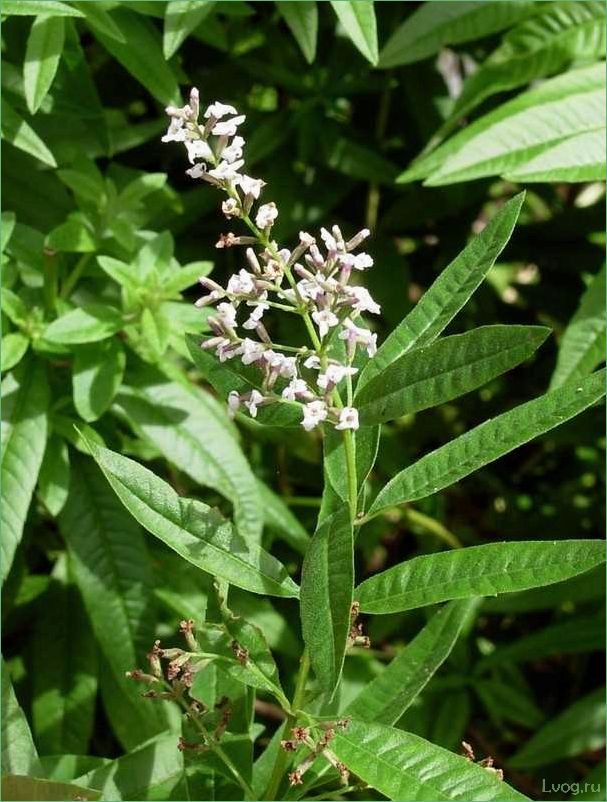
{"x":73,"y":278}
{"x":433,"y":526}
{"x":298,"y":697}
{"x":50,"y":281}
{"x":350,"y":449}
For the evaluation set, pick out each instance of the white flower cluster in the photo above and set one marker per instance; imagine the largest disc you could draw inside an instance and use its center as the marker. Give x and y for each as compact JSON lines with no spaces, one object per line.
{"x":317,"y":286}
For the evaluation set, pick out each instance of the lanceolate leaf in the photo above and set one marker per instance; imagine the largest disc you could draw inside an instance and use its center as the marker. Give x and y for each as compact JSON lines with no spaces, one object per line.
{"x":96,"y":376}
{"x":579,"y":158}
{"x":446,"y":369}
{"x":196,"y":532}
{"x":141,"y":54}
{"x":401,"y":765}
{"x":434,"y":25}
{"x":449,"y":293}
{"x":42,"y":54}
{"x":64,"y":671}
{"x":582,"y":346}
{"x":560,"y":34}
{"x":579,"y":728}
{"x":87,"y":324}
{"x":25,"y":398}
{"x":544,"y":116}
{"x":302,"y":18}
{"x":100,"y":19}
{"x":514,"y":138}
{"x":191,"y":429}
{"x":54,"y":478}
{"x":112,"y":570}
{"x":490,"y":440}
{"x":35,"y":7}
{"x":233,"y":375}
{"x":16,"y":787}
{"x":14,"y":346}
{"x":19,"y":755}
{"x":181,"y":17}
{"x":16,"y":131}
{"x":386,"y":698}
{"x":327,"y":581}
{"x":477,"y":571}
{"x":358,"y":20}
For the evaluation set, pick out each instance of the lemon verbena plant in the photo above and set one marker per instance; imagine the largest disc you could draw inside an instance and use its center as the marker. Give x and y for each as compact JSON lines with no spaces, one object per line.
{"x":334,"y":737}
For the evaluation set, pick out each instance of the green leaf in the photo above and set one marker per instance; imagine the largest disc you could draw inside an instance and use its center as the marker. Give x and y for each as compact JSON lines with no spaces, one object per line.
{"x":14,"y":346}
{"x":64,"y":672}
{"x":42,"y":54}
{"x":13,"y":307}
{"x":358,"y":20}
{"x":187,"y":276}
{"x":32,"y":8}
{"x":327,"y":580}
{"x":149,"y":772}
{"x":122,"y":273}
{"x":489,"y":441}
{"x":25,"y":398}
{"x":97,"y":373}
{"x":112,"y":570}
{"x":401,"y":765}
{"x":54,"y":478}
{"x":434,"y":25}
{"x":192,"y":431}
{"x":19,"y":755}
{"x":141,"y":54}
{"x":302,"y":18}
{"x":278,"y":516}
{"x":16,"y":131}
{"x":446,"y":369}
{"x":581,"y":157}
{"x":30,"y":790}
{"x":508,"y":140}
{"x":138,"y":189}
{"x":192,"y":529}
{"x":582,"y":346}
{"x":100,"y":19}
{"x":233,"y":375}
{"x":7,"y":226}
{"x":88,"y":324}
{"x":181,"y":17}
{"x":477,"y":571}
{"x":560,"y":34}
{"x":386,"y":698}
{"x":580,"y":635}
{"x":155,"y":330}
{"x":449,"y":293}
{"x":73,"y":236}
{"x":579,"y":728}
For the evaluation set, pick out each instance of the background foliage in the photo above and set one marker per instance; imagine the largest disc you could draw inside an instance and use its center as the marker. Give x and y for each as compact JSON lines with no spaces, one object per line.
{"x":419,"y":120}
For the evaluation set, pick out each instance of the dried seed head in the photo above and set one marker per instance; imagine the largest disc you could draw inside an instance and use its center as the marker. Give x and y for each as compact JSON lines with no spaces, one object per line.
{"x":289,"y":746}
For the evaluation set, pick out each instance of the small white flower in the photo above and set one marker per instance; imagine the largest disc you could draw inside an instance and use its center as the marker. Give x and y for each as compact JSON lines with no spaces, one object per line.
{"x":225,"y":350}
{"x":312,"y":362}
{"x":333,"y":375}
{"x":328,"y":239}
{"x":198,"y":149}
{"x":313,"y":413}
{"x":175,"y":132}
{"x":197,"y":171}
{"x":288,"y":369}
{"x":266,"y":215}
{"x":295,"y":388}
{"x":228,"y":127}
{"x":226,"y":171}
{"x":231,"y":208}
{"x":251,"y":186}
{"x":255,"y":399}
{"x":219,"y":110}
{"x":241,"y":283}
{"x":227,"y":314}
{"x":255,"y":317}
{"x":362,"y":300}
{"x":306,"y":239}
{"x":183,"y":112}
{"x":355,"y":334}
{"x":362,"y":261}
{"x":309,"y":289}
{"x":233,"y":150}
{"x":233,"y":403}
{"x":251,"y":351}
{"x":348,"y":419}
{"x":324,"y":319}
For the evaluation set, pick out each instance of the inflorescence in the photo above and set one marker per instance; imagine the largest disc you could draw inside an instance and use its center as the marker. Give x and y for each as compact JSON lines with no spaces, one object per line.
{"x":321,"y":294}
